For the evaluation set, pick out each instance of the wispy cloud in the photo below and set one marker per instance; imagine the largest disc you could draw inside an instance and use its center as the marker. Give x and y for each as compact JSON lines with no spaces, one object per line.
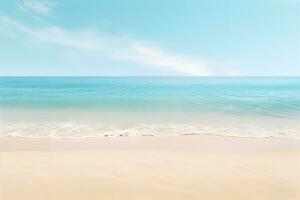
{"x":154,"y":56}
{"x":53,"y":34}
{"x":41,"y":7}
{"x":127,"y":49}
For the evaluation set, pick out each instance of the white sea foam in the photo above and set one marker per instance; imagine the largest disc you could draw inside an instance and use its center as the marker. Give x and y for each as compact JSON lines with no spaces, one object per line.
{"x":93,"y":129}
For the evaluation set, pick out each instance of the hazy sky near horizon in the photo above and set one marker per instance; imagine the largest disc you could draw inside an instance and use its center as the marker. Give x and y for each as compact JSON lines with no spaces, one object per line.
{"x":150,"y":37}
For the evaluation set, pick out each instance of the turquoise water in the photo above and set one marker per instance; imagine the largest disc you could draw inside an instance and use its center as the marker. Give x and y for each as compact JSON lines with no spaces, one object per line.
{"x":130,"y":106}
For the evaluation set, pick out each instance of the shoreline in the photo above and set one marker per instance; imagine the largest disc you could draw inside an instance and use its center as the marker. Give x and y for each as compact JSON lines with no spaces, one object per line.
{"x":45,"y":143}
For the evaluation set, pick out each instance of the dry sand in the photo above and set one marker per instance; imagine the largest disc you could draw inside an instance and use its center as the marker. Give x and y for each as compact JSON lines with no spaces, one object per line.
{"x":179,"y":167}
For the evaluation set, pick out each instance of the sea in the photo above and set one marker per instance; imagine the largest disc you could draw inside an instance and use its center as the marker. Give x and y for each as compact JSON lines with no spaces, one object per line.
{"x":84,"y":107}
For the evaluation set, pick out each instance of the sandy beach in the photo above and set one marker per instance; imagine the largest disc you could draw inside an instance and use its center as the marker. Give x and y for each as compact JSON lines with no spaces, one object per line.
{"x":178,"y":167}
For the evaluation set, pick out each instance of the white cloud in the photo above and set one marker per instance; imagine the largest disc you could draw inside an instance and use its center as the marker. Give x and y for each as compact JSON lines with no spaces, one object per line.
{"x":53,"y":34}
{"x":154,"y":56}
{"x":41,"y":7}
{"x":137,"y":51}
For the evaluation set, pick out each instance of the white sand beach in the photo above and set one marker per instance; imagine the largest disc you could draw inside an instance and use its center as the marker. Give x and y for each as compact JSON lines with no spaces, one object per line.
{"x":178,"y":167}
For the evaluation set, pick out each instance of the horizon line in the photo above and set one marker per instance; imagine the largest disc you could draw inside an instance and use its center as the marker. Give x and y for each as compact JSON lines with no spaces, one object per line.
{"x":149,"y":76}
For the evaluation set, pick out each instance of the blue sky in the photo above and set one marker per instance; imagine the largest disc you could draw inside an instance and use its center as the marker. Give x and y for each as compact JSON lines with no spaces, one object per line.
{"x":150,"y":37}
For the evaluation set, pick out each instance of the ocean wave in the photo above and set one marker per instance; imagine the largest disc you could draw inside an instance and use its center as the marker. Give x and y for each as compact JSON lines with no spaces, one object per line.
{"x":77,"y":130}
